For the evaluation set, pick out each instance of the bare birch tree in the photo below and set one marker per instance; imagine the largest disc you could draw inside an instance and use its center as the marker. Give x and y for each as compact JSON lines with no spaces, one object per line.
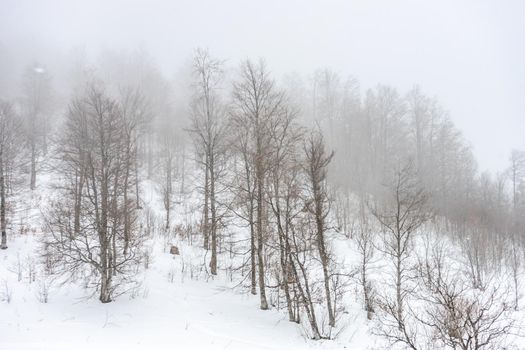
{"x":402,"y":213}
{"x":318,"y":204}
{"x":208,"y":126}
{"x":257,"y":103}
{"x":168,"y":159}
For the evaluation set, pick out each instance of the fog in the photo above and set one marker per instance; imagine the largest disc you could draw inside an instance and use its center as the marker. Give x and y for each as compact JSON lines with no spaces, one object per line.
{"x":469,"y":54}
{"x":262,"y":175}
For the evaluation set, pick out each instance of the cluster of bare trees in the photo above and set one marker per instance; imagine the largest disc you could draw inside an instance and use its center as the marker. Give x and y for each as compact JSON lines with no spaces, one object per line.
{"x":93,"y":225}
{"x":292,"y":196}
{"x":274,"y":193}
{"x":10,"y":126}
{"x":37,"y":106}
{"x":25,"y":126}
{"x":208,"y":128}
{"x":386,"y":205}
{"x":421,"y":294}
{"x":260,"y":167}
{"x":103,"y":141}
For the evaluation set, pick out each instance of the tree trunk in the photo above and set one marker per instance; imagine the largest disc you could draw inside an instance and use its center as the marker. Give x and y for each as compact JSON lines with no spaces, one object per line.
{"x":137,"y":192}
{"x":253,"y":270}
{"x":213,"y":262}
{"x":399,"y":298}
{"x":516,"y":293}
{"x":251,"y":212}
{"x":205,"y":225}
{"x":126,"y":188}
{"x":260,"y":238}
{"x":366,"y":292}
{"x":150,"y":155}
{"x":168,"y":190}
{"x":284,"y":250}
{"x":2,"y":203}
{"x":105,"y":284}
{"x":33,"y":166}
{"x":78,"y":198}
{"x":183,"y":171}
{"x":306,"y":299}
{"x":322,"y":248}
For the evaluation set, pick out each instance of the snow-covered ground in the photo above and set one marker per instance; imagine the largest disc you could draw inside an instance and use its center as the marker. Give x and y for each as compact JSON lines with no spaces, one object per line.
{"x":170,"y":309}
{"x":177,"y":305}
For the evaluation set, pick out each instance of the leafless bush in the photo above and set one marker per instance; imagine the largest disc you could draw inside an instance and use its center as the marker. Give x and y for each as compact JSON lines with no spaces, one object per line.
{"x":474,"y":247}
{"x":465,"y":318}
{"x":185,"y":232}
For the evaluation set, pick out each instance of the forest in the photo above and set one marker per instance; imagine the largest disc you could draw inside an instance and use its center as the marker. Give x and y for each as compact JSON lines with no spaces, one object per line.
{"x":309,"y":193}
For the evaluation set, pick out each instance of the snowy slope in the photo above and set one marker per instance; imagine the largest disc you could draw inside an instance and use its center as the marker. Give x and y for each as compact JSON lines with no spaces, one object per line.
{"x":170,"y":309}
{"x":177,"y":305}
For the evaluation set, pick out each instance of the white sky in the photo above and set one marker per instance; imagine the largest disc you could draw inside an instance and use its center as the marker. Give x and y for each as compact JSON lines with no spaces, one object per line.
{"x":470,"y":54}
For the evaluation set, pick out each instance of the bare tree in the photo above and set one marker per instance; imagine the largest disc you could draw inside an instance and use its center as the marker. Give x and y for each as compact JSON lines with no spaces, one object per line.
{"x":513,"y":258}
{"x":168,"y":153}
{"x":37,"y":106}
{"x":209,"y":130}
{"x":318,"y":204}
{"x":459,"y":317}
{"x":135,"y":114}
{"x":516,"y":173}
{"x":256,"y":105}
{"x":93,"y":151}
{"x":364,"y":239}
{"x":300,"y":240}
{"x":283,"y":196}
{"x":243,"y":185}
{"x":9,"y":141}
{"x":401,"y":214}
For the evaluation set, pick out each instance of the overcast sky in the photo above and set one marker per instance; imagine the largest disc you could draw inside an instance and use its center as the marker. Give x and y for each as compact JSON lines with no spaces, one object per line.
{"x":469,"y":54}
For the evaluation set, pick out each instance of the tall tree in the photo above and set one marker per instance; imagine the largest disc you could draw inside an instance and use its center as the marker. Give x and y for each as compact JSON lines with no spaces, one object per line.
{"x":283,"y":193}
{"x":168,"y":153}
{"x":401,"y":213}
{"x":94,"y":152}
{"x":516,"y":173}
{"x":208,"y":126}
{"x":257,"y":104}
{"x":36,"y":101}
{"x":318,"y":204}
{"x":9,"y":142}
{"x":135,"y":111}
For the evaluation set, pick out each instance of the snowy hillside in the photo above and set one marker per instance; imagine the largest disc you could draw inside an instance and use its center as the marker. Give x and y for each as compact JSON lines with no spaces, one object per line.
{"x":176,"y":305}
{"x":176,"y":302}
{"x":195,"y":197}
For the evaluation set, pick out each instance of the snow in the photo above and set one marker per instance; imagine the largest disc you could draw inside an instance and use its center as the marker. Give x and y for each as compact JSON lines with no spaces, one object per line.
{"x":185,"y":313}
{"x":177,"y":305}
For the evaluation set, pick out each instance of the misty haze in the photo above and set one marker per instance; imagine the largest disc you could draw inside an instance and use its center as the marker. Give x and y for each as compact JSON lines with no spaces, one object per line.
{"x":262,"y":174}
